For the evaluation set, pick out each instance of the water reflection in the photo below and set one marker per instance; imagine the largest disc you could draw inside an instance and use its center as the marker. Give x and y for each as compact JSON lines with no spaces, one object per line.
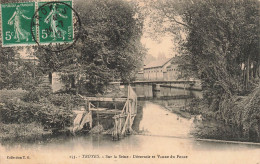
{"x":162,"y":122}
{"x":146,"y":91}
{"x":168,"y":135}
{"x":162,"y":133}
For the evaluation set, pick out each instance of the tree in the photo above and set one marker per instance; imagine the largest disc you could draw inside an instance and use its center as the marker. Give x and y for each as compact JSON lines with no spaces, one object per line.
{"x":108,"y":48}
{"x":220,"y":45}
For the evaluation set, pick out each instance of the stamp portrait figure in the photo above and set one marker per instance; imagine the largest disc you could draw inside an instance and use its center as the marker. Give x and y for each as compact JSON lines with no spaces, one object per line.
{"x":54,"y":23}
{"x":16,"y":21}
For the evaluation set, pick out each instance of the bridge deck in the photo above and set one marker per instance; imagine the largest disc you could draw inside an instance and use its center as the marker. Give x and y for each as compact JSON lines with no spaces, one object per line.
{"x":163,"y":81}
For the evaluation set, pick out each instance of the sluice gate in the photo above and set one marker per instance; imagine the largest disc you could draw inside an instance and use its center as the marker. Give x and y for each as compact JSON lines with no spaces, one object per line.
{"x":118,"y":121}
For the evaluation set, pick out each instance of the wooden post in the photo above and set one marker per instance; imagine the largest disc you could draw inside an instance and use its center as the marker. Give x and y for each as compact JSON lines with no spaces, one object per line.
{"x":124,"y":127}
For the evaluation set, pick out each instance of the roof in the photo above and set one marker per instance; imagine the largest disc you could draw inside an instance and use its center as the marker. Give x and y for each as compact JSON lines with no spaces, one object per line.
{"x":157,"y":63}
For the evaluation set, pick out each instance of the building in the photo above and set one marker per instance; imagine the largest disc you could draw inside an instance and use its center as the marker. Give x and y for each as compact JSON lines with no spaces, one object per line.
{"x":164,"y":69}
{"x":172,"y":72}
{"x":140,"y":75}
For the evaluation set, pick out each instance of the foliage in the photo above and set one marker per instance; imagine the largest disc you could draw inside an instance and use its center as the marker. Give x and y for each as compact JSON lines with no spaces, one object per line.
{"x":11,"y":94}
{"x":108,"y":48}
{"x":18,"y":112}
{"x":21,"y":131}
{"x":50,"y":116}
{"x":16,"y":72}
{"x":36,"y":94}
{"x":53,"y":117}
{"x":66,"y":100}
{"x":244,"y":112}
{"x":7,"y":68}
{"x":219,"y":43}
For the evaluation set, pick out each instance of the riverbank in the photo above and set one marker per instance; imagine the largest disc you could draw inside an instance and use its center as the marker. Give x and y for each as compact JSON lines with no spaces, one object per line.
{"x":238,"y":119}
{"x":21,"y":132}
{"x":29,"y":115}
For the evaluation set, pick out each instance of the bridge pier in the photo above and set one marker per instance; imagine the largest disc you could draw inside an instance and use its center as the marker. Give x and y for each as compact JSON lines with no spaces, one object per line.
{"x":156,"y":88}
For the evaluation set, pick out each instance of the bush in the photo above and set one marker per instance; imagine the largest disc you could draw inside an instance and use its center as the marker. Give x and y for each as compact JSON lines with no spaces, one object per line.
{"x":34,"y":95}
{"x":21,"y":131}
{"x":48,"y":115}
{"x":52,"y":117}
{"x":238,"y":118}
{"x":52,"y":111}
{"x":11,"y":94}
{"x":18,"y":112}
{"x":66,"y":100}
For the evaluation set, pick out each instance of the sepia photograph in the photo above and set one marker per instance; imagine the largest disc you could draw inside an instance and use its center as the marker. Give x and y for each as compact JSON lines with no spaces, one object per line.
{"x":129,"y":81}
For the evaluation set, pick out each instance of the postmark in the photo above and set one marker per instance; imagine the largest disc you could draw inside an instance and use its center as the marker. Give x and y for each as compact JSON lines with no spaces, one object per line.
{"x":58,"y":25}
{"x":16,"y":18}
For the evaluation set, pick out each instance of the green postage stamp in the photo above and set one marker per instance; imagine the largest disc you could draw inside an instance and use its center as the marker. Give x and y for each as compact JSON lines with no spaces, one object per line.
{"x":43,"y":23}
{"x":55,"y":22}
{"x":16,"y":23}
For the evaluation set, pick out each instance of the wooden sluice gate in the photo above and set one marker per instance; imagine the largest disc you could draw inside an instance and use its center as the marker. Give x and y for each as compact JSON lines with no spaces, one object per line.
{"x":105,"y":120}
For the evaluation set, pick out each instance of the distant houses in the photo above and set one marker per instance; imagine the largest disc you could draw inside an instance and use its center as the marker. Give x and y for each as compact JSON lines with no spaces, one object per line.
{"x":164,"y":69}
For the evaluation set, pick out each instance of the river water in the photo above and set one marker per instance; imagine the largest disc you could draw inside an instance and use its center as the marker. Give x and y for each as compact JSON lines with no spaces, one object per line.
{"x":162,"y":134}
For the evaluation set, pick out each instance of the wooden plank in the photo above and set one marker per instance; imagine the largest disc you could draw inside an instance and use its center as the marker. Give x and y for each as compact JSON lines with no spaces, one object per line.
{"x":114,"y":111}
{"x":79,"y":111}
{"x":98,"y":109}
{"x":124,"y":106}
{"x":105,"y":99}
{"x":124,"y":127}
{"x":122,"y":116}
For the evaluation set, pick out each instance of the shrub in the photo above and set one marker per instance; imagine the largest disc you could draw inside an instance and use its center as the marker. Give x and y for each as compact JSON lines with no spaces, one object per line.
{"x":18,"y":112}
{"x":11,"y":94}
{"x":66,"y":100}
{"x":34,"y":95}
{"x":50,"y":116}
{"x":21,"y":131}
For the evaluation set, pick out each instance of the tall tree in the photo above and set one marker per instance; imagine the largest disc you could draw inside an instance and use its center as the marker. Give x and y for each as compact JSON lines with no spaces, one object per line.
{"x":109,"y":46}
{"x":221,"y":42}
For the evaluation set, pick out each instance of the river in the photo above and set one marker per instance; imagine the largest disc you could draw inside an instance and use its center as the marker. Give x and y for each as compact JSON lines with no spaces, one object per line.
{"x":163,"y":135}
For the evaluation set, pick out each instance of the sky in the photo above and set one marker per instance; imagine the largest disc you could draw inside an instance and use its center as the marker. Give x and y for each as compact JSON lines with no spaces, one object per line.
{"x":162,"y":44}
{"x":155,"y":48}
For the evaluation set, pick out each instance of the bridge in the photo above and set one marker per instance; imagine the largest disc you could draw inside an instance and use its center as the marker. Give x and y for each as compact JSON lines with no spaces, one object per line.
{"x":179,"y":84}
{"x":191,"y":82}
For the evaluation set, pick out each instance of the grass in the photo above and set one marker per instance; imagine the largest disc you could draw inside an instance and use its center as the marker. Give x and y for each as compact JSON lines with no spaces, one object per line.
{"x":21,"y":132}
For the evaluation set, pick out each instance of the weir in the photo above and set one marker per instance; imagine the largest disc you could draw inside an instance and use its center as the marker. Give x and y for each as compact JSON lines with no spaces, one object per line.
{"x":122,"y":118}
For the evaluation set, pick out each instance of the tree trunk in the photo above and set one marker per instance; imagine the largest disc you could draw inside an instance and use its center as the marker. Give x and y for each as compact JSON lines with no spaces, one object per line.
{"x":50,"y":77}
{"x":247,"y":73}
{"x":259,"y":71}
{"x":73,"y":85}
{"x":254,"y":70}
